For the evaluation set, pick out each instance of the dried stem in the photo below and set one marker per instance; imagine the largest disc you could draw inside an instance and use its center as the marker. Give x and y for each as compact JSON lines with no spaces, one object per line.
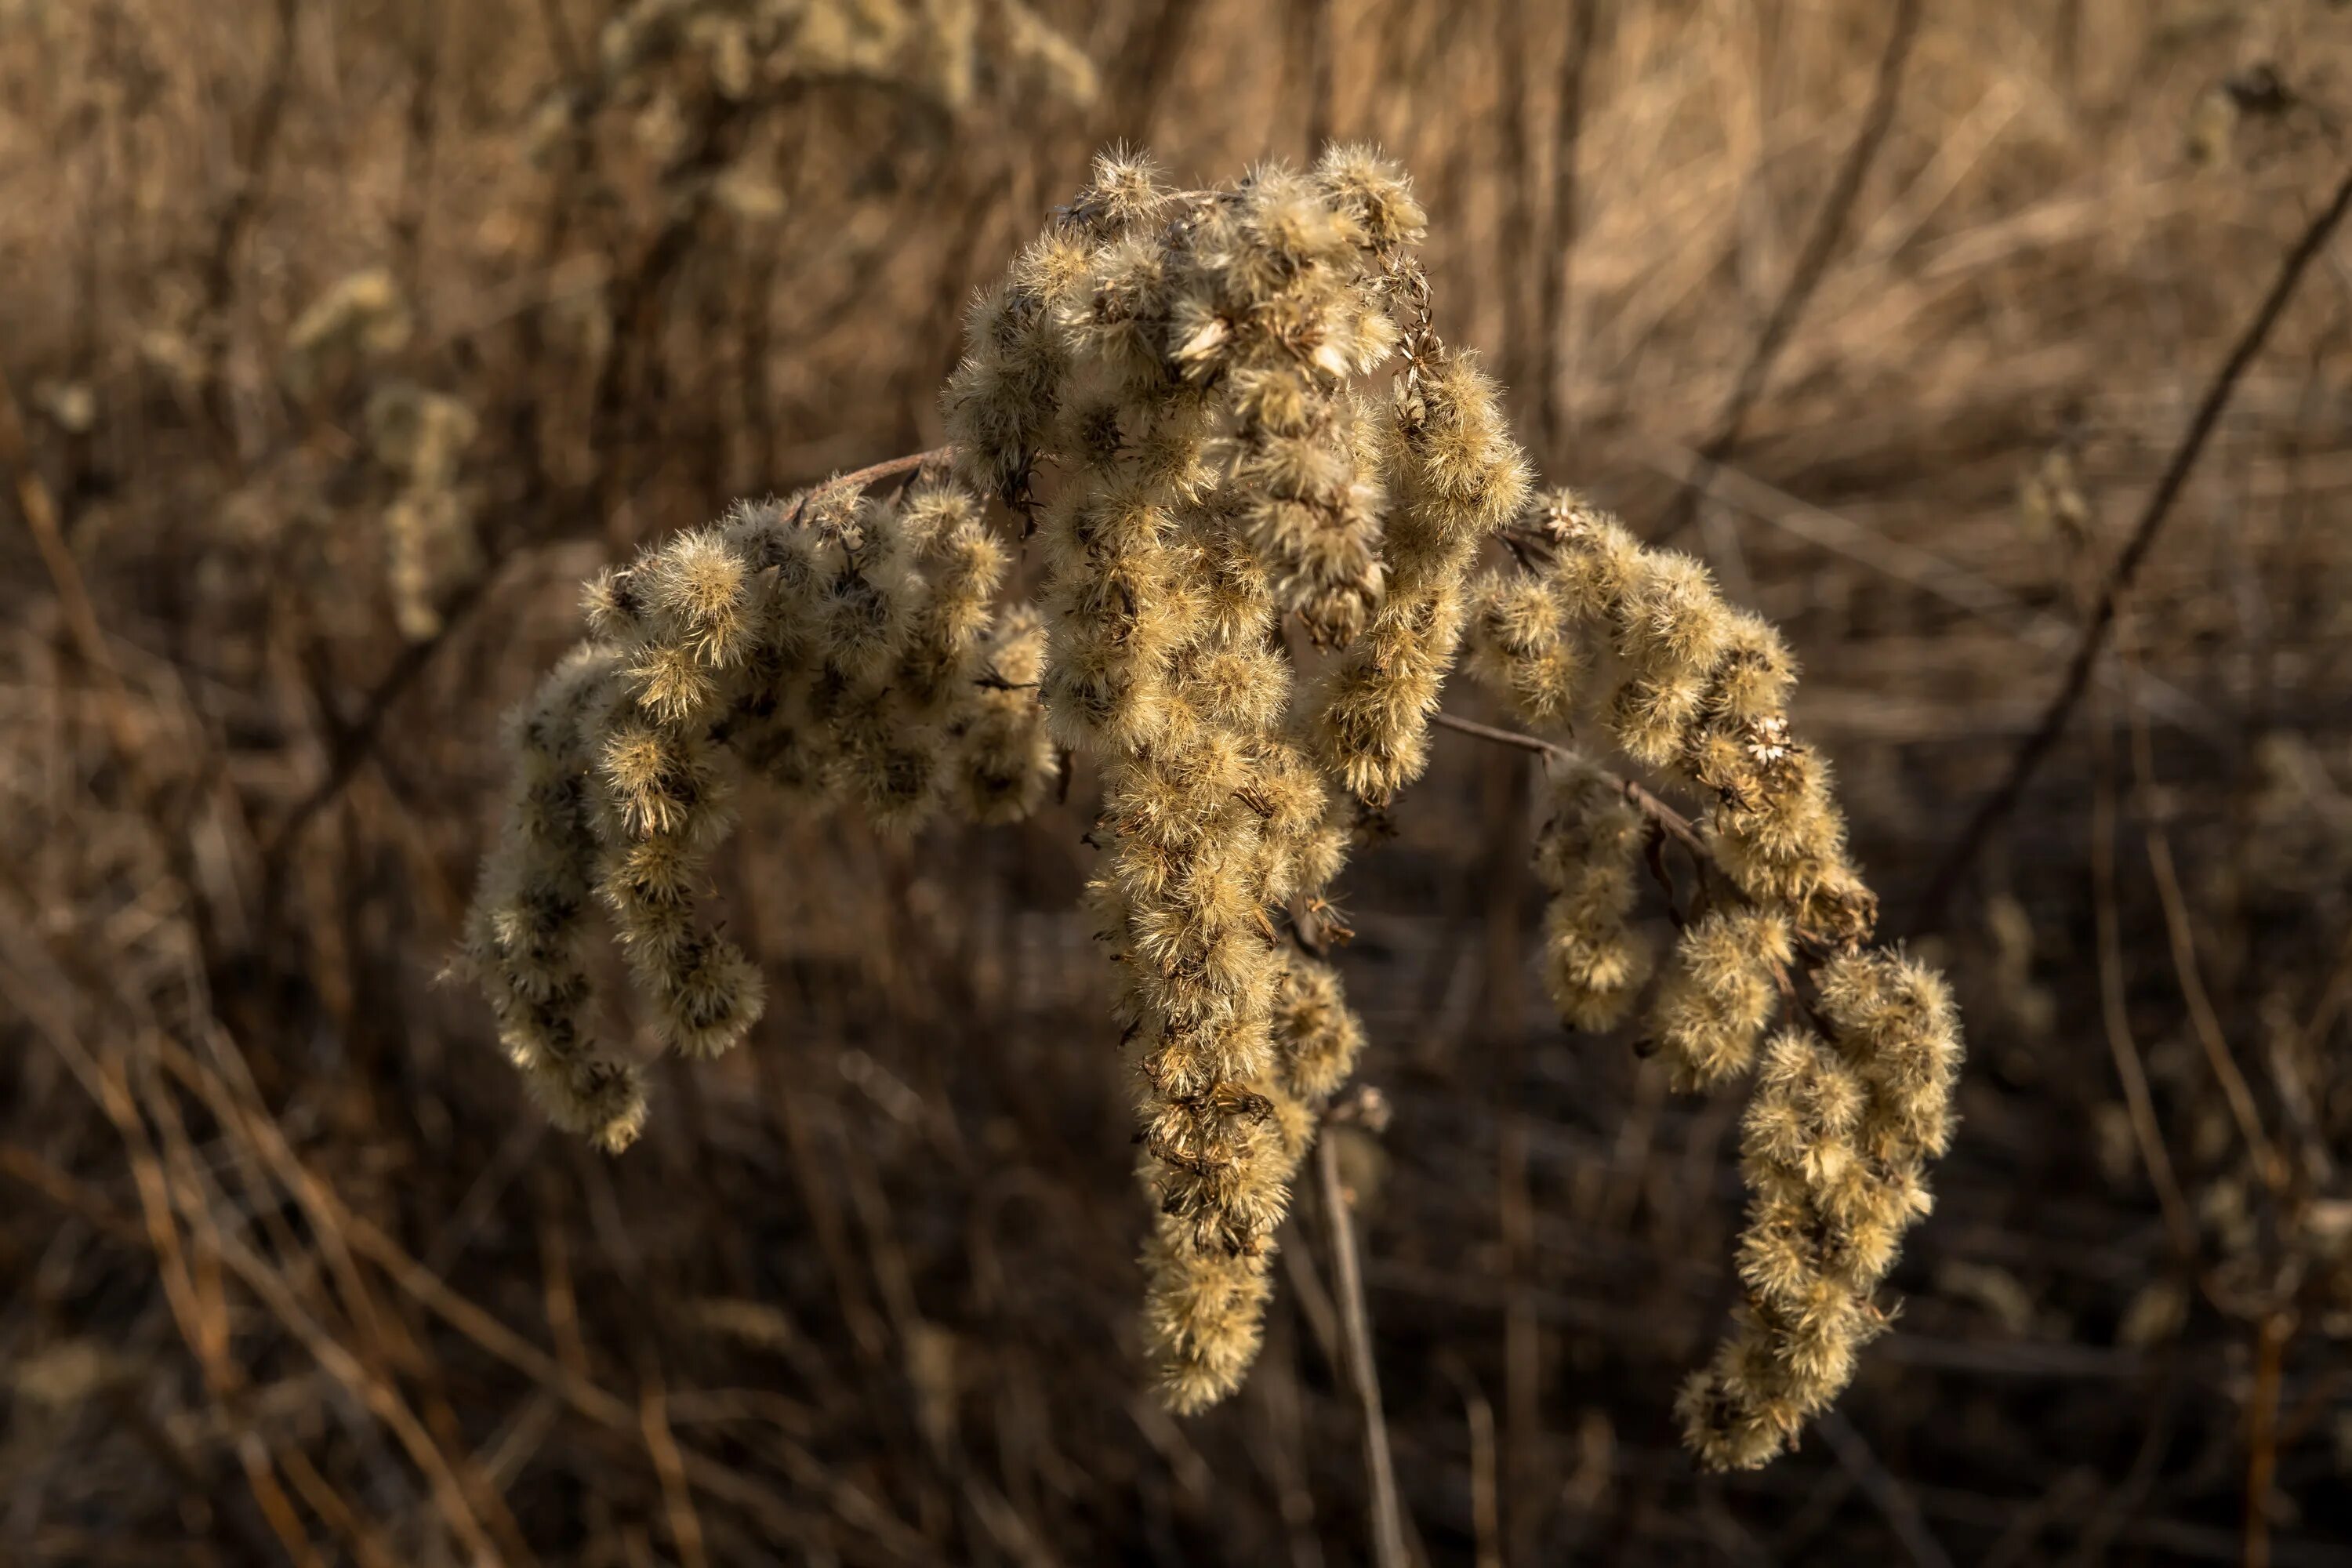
{"x":2177,"y":923}
{"x":1673,"y":823}
{"x":1388,"y":1529}
{"x":1559,"y":279}
{"x":237,"y":215}
{"x":2121,"y":1045}
{"x":1829,"y":227}
{"x":41,"y":509}
{"x":2038,"y":745}
{"x":1885,"y":1491}
{"x":873,"y":473}
{"x":2261,"y":1436}
{"x":1668,"y":822}
{"x":677,"y":1496}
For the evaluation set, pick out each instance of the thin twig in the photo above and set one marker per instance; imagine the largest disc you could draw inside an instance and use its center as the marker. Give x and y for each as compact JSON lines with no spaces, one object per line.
{"x":2122,"y":1046}
{"x":1812,"y":262}
{"x":357,"y":740}
{"x":1882,"y":1489}
{"x":2205,"y":1022}
{"x":2127,"y":1501}
{"x":1486,"y":1505}
{"x":2125,"y":1049}
{"x":1675,"y":825}
{"x":2261,"y":1436}
{"x":237,"y":216}
{"x":1388,"y":1529}
{"x":1320,"y":48}
{"x":41,"y":509}
{"x":669,"y":1465}
{"x":1499,"y":736}
{"x":875,"y":472}
{"x":2169,"y":488}
{"x":1554,"y":315}
{"x":560,"y":41}
{"x":1529,"y":1497}
{"x":1663,"y":819}
{"x":633,"y":303}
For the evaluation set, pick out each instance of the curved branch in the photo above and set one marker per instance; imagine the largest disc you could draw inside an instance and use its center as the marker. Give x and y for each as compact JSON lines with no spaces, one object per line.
{"x":1673,"y":823}
{"x":1661,"y":815}
{"x":2054,"y":719}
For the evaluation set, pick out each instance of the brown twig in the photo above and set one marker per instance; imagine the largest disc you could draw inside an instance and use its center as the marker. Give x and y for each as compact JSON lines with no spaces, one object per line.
{"x":1654,"y":853}
{"x":634,"y":298}
{"x":1528,"y":1494}
{"x":45,"y":1007}
{"x":1485,"y":1510}
{"x":1673,"y":823}
{"x":1552,"y":401}
{"x":669,"y":1465}
{"x":1316,"y":21}
{"x":1812,"y":263}
{"x":1665,"y":823}
{"x":1485,"y":1491}
{"x":1891,"y":1498}
{"x":2121,"y":1045}
{"x":873,"y":473}
{"x":561,"y":43}
{"x":1388,"y":1529}
{"x":2161,"y":502}
{"x":40,"y":511}
{"x":357,"y":740}
{"x":418,"y":158}
{"x":2261,"y":1436}
{"x":2205,"y":1022}
{"x":236,"y":215}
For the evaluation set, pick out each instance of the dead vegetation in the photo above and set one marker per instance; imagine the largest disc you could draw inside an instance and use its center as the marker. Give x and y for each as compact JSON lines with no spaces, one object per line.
{"x":341,"y":342}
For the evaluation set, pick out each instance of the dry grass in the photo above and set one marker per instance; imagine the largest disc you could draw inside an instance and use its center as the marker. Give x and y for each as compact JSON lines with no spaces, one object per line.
{"x":293,"y":1275}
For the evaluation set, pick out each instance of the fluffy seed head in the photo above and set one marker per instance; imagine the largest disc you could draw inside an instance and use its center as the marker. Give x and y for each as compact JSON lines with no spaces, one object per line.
{"x":1718,"y":991}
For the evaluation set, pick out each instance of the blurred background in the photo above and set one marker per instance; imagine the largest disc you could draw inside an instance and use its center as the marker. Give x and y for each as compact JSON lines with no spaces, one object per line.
{"x":342,"y":338}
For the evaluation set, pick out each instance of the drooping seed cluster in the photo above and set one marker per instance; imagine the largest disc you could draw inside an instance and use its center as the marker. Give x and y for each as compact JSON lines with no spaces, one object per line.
{"x":1458,"y":477}
{"x":1254,"y":575}
{"x":1720,"y":991}
{"x":1588,"y":857}
{"x":527,"y":929}
{"x":837,"y":645}
{"x":1188,"y":364}
{"x":1591,"y":622}
{"x":1688,"y":685}
{"x":1836,"y":1140}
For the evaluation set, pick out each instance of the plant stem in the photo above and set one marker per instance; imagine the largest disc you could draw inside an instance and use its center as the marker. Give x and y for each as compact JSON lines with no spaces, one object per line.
{"x":1812,"y":263}
{"x":1675,"y":825}
{"x":1388,"y":1528}
{"x":2039,"y":745}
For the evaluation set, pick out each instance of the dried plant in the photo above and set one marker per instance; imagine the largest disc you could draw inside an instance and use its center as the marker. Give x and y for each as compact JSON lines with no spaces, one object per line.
{"x":1255,"y":574}
{"x":866,"y":1293}
{"x":837,"y":645}
{"x":1589,"y":623}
